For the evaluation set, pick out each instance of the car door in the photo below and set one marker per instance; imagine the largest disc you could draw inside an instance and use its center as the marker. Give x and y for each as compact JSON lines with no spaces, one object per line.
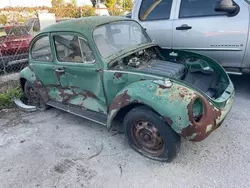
{"x":156,"y":18}
{"x":197,"y":27}
{"x":41,"y":61}
{"x":81,"y":83}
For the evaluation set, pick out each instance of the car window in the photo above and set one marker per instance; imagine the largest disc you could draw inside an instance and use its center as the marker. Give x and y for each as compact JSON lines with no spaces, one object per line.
{"x":124,"y":35}
{"x":41,"y":50}
{"x":88,"y":56}
{"x":116,"y":37}
{"x":198,"y":8}
{"x":155,"y":10}
{"x":70,"y":48}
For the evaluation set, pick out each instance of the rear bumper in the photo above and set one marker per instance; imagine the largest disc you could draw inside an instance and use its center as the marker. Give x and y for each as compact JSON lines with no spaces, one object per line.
{"x":23,"y":106}
{"x":211,"y":122}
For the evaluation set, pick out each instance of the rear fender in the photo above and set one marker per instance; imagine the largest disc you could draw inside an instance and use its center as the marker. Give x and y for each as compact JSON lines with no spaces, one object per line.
{"x":28,"y":74}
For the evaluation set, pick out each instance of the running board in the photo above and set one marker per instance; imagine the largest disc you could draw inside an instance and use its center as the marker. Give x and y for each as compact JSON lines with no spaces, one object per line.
{"x":234,"y":73}
{"x":89,"y":115}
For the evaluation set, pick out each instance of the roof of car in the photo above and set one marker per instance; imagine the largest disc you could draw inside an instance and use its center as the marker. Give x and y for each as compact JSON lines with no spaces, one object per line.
{"x":83,"y":25}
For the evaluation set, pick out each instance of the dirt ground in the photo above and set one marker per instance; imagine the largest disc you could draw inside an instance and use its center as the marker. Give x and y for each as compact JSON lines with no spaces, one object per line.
{"x":57,"y":149}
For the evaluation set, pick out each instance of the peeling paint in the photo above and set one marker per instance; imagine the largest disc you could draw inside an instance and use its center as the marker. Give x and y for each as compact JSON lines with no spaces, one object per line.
{"x":175,"y":105}
{"x":109,"y":91}
{"x":169,"y":121}
{"x":209,"y":128}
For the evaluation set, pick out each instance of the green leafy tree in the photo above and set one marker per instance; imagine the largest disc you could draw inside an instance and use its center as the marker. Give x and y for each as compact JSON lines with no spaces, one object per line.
{"x":57,"y":3}
{"x":119,"y":2}
{"x":110,"y":3}
{"x":3,"y":19}
{"x":128,"y":4}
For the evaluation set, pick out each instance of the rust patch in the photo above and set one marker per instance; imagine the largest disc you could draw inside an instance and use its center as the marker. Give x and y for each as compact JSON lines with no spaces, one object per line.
{"x":168,"y":120}
{"x":118,"y":75}
{"x":40,"y":87}
{"x":173,"y":96}
{"x":200,"y":127}
{"x":217,"y":113}
{"x":182,"y":89}
{"x":182,"y":95}
{"x":59,"y":74}
{"x":99,"y":70}
{"x":184,"y":92}
{"x":86,"y":94}
{"x":90,"y":94}
{"x":120,"y":101}
{"x":67,"y":96}
{"x":42,"y":90}
{"x":163,"y":87}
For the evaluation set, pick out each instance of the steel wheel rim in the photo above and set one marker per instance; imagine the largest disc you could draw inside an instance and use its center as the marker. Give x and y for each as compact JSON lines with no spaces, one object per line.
{"x":148,"y":137}
{"x":34,"y":96}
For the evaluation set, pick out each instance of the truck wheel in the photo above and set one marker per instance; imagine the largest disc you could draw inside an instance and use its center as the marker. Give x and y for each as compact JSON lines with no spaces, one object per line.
{"x":150,"y":135}
{"x":33,"y":96}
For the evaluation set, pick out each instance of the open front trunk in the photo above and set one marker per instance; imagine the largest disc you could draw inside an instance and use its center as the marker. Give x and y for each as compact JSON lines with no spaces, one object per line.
{"x":196,"y":70}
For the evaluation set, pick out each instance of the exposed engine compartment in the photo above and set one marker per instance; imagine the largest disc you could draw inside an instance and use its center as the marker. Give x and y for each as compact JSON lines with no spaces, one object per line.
{"x":194,"y":71}
{"x":138,"y":60}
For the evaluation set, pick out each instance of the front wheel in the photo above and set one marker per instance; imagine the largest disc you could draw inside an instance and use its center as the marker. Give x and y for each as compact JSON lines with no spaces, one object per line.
{"x":150,"y":135}
{"x":33,"y":96}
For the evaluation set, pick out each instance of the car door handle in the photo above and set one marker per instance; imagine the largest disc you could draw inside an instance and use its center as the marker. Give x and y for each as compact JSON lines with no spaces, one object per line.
{"x":60,"y":70}
{"x":184,"y":27}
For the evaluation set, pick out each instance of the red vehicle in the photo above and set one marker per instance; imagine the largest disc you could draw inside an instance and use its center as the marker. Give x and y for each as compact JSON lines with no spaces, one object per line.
{"x":14,"y":45}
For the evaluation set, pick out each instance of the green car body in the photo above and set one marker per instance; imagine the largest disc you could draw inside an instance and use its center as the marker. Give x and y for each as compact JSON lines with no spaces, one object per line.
{"x":101,"y":88}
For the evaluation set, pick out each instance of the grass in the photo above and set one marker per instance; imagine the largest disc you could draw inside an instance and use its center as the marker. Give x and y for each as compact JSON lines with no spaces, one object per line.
{"x":8,"y":92}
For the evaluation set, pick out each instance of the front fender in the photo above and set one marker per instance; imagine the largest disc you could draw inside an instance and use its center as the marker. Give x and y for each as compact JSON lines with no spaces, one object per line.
{"x":28,"y":74}
{"x":174,"y":104}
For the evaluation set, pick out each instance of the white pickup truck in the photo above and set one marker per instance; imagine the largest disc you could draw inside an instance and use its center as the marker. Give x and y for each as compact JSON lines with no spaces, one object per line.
{"x":215,"y":28}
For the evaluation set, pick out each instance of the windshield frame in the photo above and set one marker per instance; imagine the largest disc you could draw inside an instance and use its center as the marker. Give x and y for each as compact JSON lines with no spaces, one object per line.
{"x":248,"y":1}
{"x":125,"y":49}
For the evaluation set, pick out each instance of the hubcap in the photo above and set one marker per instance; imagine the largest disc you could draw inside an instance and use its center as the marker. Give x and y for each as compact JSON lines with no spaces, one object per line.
{"x":148,"y":137}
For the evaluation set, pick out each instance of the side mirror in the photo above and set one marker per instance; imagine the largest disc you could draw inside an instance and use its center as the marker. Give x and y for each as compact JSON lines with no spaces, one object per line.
{"x":227,"y":6}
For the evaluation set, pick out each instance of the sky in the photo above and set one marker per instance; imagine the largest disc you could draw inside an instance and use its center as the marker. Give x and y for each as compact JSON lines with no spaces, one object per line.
{"x":4,"y":3}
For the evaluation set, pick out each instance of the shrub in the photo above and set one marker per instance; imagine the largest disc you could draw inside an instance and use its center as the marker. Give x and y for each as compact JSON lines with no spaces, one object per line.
{"x":88,"y":11}
{"x":6,"y":98}
{"x":116,"y":12}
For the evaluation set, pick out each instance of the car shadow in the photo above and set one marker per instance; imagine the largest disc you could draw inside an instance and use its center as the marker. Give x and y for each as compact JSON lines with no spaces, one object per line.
{"x":241,"y":84}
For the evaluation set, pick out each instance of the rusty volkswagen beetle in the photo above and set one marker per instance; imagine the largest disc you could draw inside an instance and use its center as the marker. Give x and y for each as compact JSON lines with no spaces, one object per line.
{"x":107,"y":69}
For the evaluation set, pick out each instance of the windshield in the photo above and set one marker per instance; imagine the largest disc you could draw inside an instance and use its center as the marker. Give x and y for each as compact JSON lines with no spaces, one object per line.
{"x":117,"y":36}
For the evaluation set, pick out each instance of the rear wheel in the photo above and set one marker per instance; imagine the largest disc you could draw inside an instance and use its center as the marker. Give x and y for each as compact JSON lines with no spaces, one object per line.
{"x":150,"y":135}
{"x":33,"y":96}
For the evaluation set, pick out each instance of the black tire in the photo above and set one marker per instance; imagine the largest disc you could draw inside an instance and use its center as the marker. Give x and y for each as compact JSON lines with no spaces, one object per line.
{"x":168,"y":141}
{"x":35,"y":99}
